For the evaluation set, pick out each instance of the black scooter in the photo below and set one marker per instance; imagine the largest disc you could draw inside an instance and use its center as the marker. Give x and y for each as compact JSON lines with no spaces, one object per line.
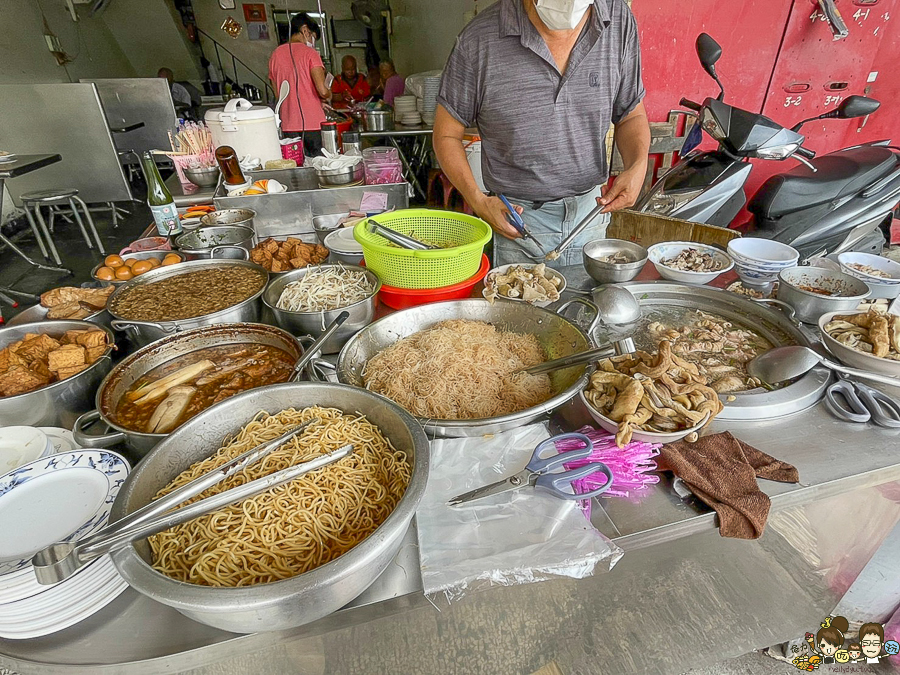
{"x":838,"y":202}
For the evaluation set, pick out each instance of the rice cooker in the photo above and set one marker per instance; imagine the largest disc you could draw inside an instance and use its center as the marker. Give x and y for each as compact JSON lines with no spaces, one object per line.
{"x":249,"y":129}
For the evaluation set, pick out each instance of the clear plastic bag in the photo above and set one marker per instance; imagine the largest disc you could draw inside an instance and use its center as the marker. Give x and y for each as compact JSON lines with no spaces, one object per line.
{"x":519,"y":537}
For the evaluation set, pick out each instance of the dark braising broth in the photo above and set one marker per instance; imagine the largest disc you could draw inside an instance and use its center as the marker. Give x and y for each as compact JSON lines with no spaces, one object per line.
{"x":171,"y":394}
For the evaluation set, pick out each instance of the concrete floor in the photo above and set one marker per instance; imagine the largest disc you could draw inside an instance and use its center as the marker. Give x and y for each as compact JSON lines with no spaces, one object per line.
{"x":74,"y":253}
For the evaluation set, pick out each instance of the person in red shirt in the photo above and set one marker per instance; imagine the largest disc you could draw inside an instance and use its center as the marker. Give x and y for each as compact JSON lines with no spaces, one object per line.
{"x":298,"y":63}
{"x":349,"y":87}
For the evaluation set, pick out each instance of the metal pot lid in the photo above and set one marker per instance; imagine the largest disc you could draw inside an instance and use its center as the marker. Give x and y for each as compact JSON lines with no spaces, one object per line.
{"x":672,"y":303}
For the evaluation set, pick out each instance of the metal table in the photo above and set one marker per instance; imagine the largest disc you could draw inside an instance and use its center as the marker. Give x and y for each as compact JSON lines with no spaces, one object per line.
{"x":681,"y":597}
{"x":422,"y":134}
{"x":19,"y":167}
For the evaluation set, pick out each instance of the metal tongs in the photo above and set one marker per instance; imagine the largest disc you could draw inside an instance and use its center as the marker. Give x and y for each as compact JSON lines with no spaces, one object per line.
{"x":402,"y":240}
{"x":61,"y":560}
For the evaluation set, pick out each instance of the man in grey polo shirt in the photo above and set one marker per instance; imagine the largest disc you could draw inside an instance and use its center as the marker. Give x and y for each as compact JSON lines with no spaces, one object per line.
{"x":542,"y":80}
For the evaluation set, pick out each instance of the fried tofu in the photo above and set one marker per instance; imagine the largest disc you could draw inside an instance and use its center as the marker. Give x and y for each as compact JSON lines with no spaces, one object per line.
{"x":94,"y":353}
{"x":9,"y":358}
{"x":270,"y":245}
{"x":67,"y":294}
{"x":67,"y":356}
{"x":37,"y":348}
{"x":92,"y":338}
{"x":19,"y":380}
{"x":70,"y":337}
{"x":278,"y":266}
{"x":65,"y":373}
{"x":68,"y":310}
{"x":40,"y":369}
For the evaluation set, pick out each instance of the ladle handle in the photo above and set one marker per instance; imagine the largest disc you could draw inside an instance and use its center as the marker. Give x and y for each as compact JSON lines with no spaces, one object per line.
{"x":317,"y":345}
{"x":862,"y":374}
{"x":590,"y":356}
{"x":588,"y":219}
{"x":116,"y":535}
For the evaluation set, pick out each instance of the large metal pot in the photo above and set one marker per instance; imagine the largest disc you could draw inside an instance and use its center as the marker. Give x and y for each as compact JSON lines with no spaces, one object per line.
{"x":809,"y":306}
{"x":306,"y":597}
{"x":144,"y":332}
{"x":379,"y":120}
{"x":362,"y":313}
{"x":124,"y":375}
{"x":39,"y":313}
{"x":233,"y":242}
{"x":58,"y":404}
{"x":557,"y":335}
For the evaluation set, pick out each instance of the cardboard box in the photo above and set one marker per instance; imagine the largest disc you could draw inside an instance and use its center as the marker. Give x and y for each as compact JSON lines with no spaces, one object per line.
{"x":647,"y":229}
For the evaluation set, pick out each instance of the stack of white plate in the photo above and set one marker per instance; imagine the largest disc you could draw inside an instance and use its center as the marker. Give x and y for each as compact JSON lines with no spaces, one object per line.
{"x":429,"y":101}
{"x":63,"y":497}
{"x":406,"y":110}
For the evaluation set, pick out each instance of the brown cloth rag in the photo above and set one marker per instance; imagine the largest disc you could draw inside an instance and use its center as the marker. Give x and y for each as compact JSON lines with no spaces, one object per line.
{"x":722,"y":471}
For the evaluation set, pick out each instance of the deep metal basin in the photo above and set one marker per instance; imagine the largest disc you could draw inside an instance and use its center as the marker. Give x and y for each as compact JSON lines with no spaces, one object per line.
{"x":557,"y":335}
{"x":306,"y":597}
{"x":58,"y":404}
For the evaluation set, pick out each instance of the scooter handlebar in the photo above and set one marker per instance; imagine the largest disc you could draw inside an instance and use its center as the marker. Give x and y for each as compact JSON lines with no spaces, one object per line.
{"x":804,"y":152}
{"x":687,"y":103}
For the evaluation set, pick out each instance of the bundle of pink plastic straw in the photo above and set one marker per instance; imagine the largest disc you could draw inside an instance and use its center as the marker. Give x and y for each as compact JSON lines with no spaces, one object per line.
{"x":630,"y":466}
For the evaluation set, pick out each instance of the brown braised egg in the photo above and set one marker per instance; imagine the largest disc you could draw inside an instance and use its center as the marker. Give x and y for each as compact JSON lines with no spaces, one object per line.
{"x":114,"y":261}
{"x":141,"y":266}
{"x":106,"y":273}
{"x":130,"y":262}
{"x":171,"y":259}
{"x":124,"y":273}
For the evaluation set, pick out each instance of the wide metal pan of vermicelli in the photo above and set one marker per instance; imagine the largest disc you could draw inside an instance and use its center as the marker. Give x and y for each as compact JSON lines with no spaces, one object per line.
{"x":460,"y":370}
{"x":293,"y":528}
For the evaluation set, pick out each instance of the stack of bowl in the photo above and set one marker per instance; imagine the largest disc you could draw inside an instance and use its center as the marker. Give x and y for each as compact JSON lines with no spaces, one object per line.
{"x":758,"y":262}
{"x":881,"y":286}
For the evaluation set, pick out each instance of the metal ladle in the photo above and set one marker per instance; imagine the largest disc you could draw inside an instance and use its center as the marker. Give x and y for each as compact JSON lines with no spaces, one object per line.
{"x":785,"y":363}
{"x":617,"y":305}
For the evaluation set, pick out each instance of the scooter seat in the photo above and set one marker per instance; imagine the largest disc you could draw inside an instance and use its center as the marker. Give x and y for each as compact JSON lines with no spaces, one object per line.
{"x":838,"y":174}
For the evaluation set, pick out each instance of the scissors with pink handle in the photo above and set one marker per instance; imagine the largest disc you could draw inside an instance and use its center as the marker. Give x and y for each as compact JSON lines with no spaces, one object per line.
{"x":537,"y":474}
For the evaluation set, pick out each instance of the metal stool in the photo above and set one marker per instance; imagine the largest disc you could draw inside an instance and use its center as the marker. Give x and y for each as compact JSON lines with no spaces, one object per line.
{"x":56,"y":198}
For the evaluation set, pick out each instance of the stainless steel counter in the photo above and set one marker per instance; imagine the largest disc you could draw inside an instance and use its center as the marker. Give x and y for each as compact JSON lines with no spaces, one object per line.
{"x":681,"y":596}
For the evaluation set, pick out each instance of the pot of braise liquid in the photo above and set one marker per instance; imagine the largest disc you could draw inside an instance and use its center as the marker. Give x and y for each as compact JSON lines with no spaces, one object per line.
{"x":160,"y":387}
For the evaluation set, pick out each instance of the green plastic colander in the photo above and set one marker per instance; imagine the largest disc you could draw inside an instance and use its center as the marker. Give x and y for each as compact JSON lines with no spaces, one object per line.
{"x":462,"y":239}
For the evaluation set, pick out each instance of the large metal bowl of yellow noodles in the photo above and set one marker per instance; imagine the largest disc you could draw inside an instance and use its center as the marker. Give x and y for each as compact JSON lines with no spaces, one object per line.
{"x":556,"y":334}
{"x":300,"y":599}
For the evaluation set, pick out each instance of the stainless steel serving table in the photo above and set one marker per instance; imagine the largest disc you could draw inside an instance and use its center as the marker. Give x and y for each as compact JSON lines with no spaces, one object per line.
{"x":188,"y":195}
{"x":681,"y":597}
{"x":422,"y":134}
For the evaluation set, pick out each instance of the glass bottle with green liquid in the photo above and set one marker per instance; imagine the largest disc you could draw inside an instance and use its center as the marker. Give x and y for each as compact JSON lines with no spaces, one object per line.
{"x":160,"y":201}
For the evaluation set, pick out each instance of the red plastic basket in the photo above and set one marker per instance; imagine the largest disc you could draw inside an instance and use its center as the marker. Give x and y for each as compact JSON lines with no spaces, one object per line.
{"x":403,"y":298}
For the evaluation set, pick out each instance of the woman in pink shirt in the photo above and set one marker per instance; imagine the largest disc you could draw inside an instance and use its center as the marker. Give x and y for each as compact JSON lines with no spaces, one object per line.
{"x":298,"y":63}
{"x":392,"y":83}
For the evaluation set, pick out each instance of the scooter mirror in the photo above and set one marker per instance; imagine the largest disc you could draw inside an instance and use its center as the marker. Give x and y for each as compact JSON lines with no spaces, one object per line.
{"x":857,"y":106}
{"x":709,"y":52}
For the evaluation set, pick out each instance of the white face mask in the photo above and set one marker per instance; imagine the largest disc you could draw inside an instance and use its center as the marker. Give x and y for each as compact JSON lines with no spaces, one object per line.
{"x":562,"y":14}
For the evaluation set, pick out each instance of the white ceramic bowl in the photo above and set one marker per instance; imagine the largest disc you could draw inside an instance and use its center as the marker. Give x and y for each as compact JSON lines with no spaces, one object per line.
{"x":670,"y":249}
{"x":638,"y":434}
{"x":851,"y":357}
{"x":21,"y":445}
{"x":876,"y":261}
{"x":550,"y":272}
{"x":763,"y":253}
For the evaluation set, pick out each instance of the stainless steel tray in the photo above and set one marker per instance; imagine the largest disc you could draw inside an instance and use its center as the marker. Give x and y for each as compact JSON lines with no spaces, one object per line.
{"x":667,"y":302}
